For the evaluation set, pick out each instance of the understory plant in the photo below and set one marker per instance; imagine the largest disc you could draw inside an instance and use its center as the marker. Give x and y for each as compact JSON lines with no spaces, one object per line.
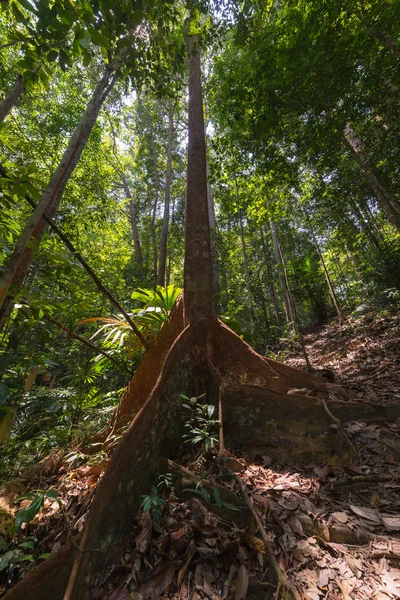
{"x":202,"y":426}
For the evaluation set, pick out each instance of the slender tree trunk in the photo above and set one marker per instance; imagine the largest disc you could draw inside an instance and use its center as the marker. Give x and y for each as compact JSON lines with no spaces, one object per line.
{"x":245,"y":264}
{"x":387,"y":201}
{"x":289,"y":303}
{"x":134,"y":227}
{"x":269,"y":280}
{"x":167,"y":200}
{"x":198,"y":296}
{"x":19,"y":262}
{"x":331,"y":288}
{"x":154,"y":210}
{"x":282,"y":282}
{"x":366,"y":226}
{"x":12,"y":98}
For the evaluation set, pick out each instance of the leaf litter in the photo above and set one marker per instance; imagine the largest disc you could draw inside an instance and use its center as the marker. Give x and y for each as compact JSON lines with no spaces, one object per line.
{"x":334,"y":528}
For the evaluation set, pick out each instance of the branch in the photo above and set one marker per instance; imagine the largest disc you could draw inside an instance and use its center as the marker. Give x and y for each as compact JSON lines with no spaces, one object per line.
{"x":85,"y":265}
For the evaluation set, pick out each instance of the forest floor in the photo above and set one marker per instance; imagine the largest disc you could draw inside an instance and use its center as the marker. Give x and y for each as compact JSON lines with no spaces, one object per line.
{"x":334,"y":528}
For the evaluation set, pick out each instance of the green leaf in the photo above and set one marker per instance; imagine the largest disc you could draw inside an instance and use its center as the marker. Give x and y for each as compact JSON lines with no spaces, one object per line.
{"x":4,"y":391}
{"x":52,"y":55}
{"x":6,"y":559}
{"x":26,"y":545}
{"x":24,"y":557}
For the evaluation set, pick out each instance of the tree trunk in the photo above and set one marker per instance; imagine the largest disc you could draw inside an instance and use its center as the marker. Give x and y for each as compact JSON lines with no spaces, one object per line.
{"x":12,"y":98}
{"x":331,"y":288}
{"x":269,"y":280}
{"x":19,"y":262}
{"x":245,"y":264}
{"x":197,"y":269}
{"x":154,"y":210}
{"x":211,"y":218}
{"x":282,"y":281}
{"x":289,"y":303}
{"x":167,"y":199}
{"x":387,"y":201}
{"x":134,"y":227}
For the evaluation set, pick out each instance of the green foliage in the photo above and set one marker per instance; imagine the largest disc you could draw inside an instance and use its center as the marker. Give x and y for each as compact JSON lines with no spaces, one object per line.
{"x":26,"y":515}
{"x":202,"y":427}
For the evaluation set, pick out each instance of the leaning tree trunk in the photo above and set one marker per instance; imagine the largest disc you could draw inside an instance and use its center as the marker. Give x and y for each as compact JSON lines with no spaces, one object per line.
{"x":52,"y":195}
{"x":167,"y":199}
{"x":133,"y":220}
{"x":12,"y":98}
{"x":195,"y":353}
{"x":387,"y":201}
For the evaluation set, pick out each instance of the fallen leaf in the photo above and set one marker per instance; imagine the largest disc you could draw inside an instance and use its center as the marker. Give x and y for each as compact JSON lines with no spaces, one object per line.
{"x":159,"y":580}
{"x":371,"y":514}
{"x":144,"y":539}
{"x":342,"y":517}
{"x":392,"y":523}
{"x":375,"y":500}
{"x":242,"y":583}
{"x":121,"y":593}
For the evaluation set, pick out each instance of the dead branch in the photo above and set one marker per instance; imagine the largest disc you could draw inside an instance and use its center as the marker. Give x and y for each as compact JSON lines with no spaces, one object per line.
{"x":362,"y":479}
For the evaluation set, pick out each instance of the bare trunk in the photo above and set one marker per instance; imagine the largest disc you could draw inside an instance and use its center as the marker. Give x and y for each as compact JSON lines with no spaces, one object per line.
{"x":329,"y":281}
{"x":331,"y":288}
{"x":52,"y":195}
{"x":12,"y":98}
{"x":269,"y":280}
{"x":282,"y":281}
{"x":167,"y":199}
{"x":387,"y":201}
{"x":289,"y":302}
{"x":198,"y":296}
{"x":134,"y":227}
{"x":154,"y":211}
{"x":245,"y":264}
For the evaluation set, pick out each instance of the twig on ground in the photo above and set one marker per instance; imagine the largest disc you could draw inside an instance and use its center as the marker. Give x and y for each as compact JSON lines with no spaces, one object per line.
{"x":282,"y":580}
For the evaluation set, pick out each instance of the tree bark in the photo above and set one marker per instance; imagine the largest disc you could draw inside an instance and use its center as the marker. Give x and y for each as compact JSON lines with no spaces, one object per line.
{"x":167,"y":199}
{"x":134,"y":227}
{"x":211,"y":218}
{"x":20,"y":259}
{"x":388,"y":202}
{"x":12,"y":98}
{"x":198,"y":292}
